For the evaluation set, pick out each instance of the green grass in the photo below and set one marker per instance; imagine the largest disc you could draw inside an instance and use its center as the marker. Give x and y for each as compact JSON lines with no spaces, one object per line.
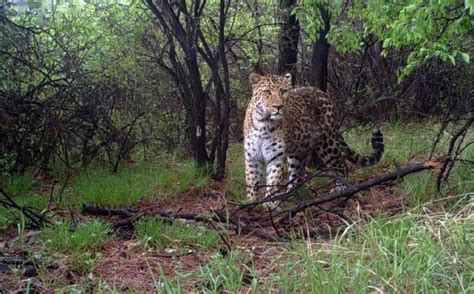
{"x":77,"y":246}
{"x":419,"y":188}
{"x":227,"y":274}
{"x":425,"y":253}
{"x":462,"y":177}
{"x":21,"y":189}
{"x":5,"y":218}
{"x":235,"y":174}
{"x":129,"y":185}
{"x":403,"y":141}
{"x":86,"y":236}
{"x":157,"y":233}
{"x":411,"y":254}
{"x":20,"y":185}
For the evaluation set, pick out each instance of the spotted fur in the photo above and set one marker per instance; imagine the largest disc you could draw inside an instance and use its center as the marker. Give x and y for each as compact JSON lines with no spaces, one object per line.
{"x":284,"y":125}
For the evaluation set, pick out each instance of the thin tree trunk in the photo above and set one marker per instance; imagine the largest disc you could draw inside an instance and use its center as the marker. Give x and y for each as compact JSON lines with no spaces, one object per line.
{"x":288,"y":40}
{"x":319,"y":60}
{"x":223,"y":90}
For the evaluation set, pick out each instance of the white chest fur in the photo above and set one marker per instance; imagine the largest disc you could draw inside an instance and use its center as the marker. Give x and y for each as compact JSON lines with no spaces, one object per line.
{"x":264,"y":143}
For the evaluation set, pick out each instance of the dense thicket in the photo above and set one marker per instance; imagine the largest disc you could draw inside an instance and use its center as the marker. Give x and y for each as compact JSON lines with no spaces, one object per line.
{"x":81,"y":83}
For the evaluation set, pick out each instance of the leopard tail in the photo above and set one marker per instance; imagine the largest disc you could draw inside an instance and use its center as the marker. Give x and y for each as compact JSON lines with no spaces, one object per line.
{"x":377,"y":146}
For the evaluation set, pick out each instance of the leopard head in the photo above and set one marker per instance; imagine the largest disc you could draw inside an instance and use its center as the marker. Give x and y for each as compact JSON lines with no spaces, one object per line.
{"x":268,"y":92}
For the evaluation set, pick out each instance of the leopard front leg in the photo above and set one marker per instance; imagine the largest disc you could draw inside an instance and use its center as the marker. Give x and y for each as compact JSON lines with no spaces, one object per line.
{"x":253,"y":177}
{"x":275,"y":175}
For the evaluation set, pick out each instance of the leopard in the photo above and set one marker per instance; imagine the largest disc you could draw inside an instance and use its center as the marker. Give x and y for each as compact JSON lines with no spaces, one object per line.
{"x":286,"y":128}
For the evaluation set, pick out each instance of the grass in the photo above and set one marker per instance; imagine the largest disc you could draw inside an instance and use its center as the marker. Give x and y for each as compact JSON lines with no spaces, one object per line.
{"x":419,"y":188}
{"x":157,"y":233}
{"x":6,"y":219}
{"x":235,"y":182}
{"x":403,"y":142}
{"x":129,"y":185}
{"x":414,"y":253}
{"x":86,"y":236}
{"x":385,"y":255}
{"x":227,"y":274}
{"x":462,"y":178}
{"x":22,"y":189}
{"x":79,"y":246}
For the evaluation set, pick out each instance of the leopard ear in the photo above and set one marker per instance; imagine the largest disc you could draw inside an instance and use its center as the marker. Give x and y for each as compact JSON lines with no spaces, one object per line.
{"x":254,"y":78}
{"x":288,"y":77}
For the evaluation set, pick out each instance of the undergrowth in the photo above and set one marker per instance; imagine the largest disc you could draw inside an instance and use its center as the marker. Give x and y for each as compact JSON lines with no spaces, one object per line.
{"x":412,"y":253}
{"x":79,"y":246}
{"x":129,"y":185}
{"x":160,"y":234}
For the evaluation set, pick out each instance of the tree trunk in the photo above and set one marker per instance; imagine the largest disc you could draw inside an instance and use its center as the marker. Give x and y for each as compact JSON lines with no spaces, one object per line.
{"x":199,"y":144}
{"x":222,"y":94}
{"x":288,"y":40}
{"x":319,"y":60}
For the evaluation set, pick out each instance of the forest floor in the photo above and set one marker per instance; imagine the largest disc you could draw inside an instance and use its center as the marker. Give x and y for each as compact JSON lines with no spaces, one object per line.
{"x":404,"y":236}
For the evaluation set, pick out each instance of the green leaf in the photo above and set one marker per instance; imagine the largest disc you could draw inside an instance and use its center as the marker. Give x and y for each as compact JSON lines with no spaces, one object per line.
{"x":451,"y":58}
{"x":469,"y":4}
{"x":465,"y":57}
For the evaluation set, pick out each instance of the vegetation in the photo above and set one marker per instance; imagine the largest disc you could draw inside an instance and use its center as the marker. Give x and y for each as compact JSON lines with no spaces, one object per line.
{"x":415,"y":253}
{"x":77,"y":246}
{"x":126,"y":187}
{"x":158,"y":233}
{"x":121,"y":156}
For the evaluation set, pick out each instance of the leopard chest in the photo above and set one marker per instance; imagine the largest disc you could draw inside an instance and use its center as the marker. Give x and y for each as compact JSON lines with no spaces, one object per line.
{"x":264,"y":143}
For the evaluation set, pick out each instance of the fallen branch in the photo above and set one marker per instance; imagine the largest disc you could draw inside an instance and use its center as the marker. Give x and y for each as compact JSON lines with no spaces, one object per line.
{"x":37,"y":219}
{"x":95,"y":210}
{"x":350,"y":191}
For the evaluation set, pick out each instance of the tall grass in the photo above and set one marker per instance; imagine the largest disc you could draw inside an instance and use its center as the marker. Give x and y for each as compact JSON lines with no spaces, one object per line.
{"x":23,"y":190}
{"x":227,"y":274}
{"x":129,"y":185}
{"x":419,"y":188}
{"x":423,"y":253}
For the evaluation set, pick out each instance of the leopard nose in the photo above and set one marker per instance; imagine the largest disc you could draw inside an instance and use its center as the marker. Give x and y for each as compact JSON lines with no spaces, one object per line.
{"x":278,"y":106}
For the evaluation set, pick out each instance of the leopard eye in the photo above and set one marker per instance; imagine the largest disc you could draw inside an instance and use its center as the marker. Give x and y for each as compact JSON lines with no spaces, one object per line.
{"x":267,"y":92}
{"x":284,"y":91}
